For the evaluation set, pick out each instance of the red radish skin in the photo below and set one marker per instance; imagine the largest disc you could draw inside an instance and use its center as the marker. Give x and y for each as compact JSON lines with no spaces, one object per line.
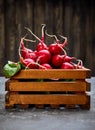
{"x":57,"y":60}
{"x":67,"y":65}
{"x":45,"y":66}
{"x":68,"y":58}
{"x":24,"y":50}
{"x":29,"y":63}
{"x":41,"y":45}
{"x":56,"y":48}
{"x":31,"y":56}
{"x":44,"y":56}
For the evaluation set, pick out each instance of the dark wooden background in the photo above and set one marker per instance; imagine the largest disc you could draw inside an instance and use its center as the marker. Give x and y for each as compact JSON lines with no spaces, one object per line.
{"x":74,"y":19}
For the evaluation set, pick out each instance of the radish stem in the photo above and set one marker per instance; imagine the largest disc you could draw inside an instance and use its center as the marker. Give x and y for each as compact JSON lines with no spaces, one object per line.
{"x":63,"y":37}
{"x":43,"y":26}
{"x":52,"y":36}
{"x":33,"y":34}
{"x":65,"y":42}
{"x":29,"y":40}
{"x":63,"y":49}
{"x":80,"y":63}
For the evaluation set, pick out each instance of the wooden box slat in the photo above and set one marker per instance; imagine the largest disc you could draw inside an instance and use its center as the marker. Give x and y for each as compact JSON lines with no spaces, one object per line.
{"x":53,"y":73}
{"x":47,"y":99}
{"x":47,"y":86}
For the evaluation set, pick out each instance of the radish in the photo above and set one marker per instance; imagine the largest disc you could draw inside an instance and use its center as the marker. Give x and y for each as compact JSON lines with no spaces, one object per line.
{"x":41,"y":45}
{"x":45,"y":66}
{"x":68,"y":58}
{"x":25,"y":52}
{"x":57,"y":60}
{"x":56,"y":48}
{"x":29,"y":63}
{"x":67,"y":65}
{"x":31,"y":55}
{"x":44,"y":56}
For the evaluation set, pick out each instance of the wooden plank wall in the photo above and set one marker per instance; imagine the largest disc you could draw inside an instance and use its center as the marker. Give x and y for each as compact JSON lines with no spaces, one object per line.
{"x":74,"y":19}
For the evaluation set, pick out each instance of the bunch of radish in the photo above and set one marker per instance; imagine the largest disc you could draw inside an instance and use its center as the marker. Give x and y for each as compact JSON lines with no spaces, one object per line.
{"x":53,"y":56}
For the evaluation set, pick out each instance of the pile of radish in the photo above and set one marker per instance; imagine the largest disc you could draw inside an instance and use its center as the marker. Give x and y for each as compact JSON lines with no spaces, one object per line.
{"x":53,"y":56}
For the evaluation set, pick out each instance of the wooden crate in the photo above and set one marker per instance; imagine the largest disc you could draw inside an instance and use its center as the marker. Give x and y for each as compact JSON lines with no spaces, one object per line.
{"x":41,"y":88}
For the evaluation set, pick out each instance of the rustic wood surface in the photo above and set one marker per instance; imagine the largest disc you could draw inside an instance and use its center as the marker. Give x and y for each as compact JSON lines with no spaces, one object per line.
{"x":42,"y":87}
{"x":74,"y":19}
{"x":47,"y":86}
{"x":47,"y":99}
{"x":53,"y":73}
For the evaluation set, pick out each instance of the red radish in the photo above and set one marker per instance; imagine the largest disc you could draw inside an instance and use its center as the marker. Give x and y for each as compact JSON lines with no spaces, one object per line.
{"x":41,"y":45}
{"x":68,"y":58}
{"x":45,"y":66}
{"x":57,"y":60}
{"x":56,"y":48}
{"x":44,"y":56}
{"x":31,"y":55}
{"x":24,"y":50}
{"x":67,"y":65}
{"x":29,"y":63}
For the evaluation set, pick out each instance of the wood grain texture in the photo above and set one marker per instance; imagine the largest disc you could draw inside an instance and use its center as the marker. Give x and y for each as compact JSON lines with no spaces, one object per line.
{"x":54,"y":86}
{"x":53,"y":73}
{"x":73,"y":19}
{"x":47,"y":99}
{"x":2,"y":35}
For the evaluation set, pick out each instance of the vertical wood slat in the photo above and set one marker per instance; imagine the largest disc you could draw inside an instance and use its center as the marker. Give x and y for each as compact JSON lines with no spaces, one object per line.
{"x":10,"y":29}
{"x":58,"y":17}
{"x":2,"y":35}
{"x":49,"y":20}
{"x":39,"y":9}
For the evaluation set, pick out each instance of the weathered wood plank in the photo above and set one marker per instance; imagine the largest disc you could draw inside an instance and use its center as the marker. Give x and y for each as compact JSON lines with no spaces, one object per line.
{"x":54,"y":86}
{"x":47,"y":99}
{"x":2,"y":36}
{"x":10,"y":29}
{"x":54,"y":73}
{"x":39,"y":9}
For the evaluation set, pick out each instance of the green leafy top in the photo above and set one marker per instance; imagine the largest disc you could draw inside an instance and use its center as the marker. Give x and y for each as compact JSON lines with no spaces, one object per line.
{"x":11,"y":68}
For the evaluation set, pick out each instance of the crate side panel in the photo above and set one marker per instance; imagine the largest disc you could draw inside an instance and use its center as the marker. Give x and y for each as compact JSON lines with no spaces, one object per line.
{"x":53,"y":73}
{"x":47,"y":86}
{"x":47,"y":99}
